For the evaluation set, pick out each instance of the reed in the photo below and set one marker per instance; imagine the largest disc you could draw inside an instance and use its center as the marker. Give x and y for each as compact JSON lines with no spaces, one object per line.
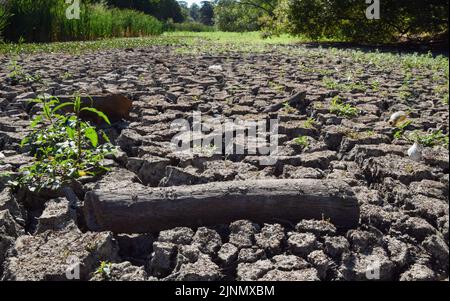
{"x":46,"y":21}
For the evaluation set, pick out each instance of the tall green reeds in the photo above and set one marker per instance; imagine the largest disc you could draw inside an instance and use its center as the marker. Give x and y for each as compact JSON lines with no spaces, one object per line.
{"x":46,"y":21}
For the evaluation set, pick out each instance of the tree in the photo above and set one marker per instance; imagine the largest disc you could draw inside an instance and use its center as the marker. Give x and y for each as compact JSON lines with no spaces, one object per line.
{"x":232,"y":15}
{"x":346,"y":20}
{"x":207,"y":13}
{"x":194,"y":12}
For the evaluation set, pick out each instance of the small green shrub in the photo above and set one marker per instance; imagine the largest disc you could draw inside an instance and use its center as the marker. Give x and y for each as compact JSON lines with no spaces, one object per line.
{"x":64,"y":146}
{"x":345,"y":110}
{"x":104,"y":269}
{"x":401,"y":128}
{"x":429,"y":139}
{"x":302,"y":141}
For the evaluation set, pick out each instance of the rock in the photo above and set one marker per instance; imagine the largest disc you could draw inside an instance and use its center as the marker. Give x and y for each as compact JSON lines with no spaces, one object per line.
{"x":398,"y":251}
{"x":361,"y":241}
{"x":251,"y":255}
{"x":376,"y":216}
{"x":243,"y":233}
{"x":430,"y":209}
{"x":336,"y":246}
{"x":201,"y":270}
{"x":150,"y":169}
{"x":321,"y":262}
{"x":162,"y":261}
{"x":228,"y":254}
{"x":373,"y":265}
{"x":57,"y":215}
{"x":208,"y":240}
{"x":418,"y":272}
{"x":253,"y":271}
{"x":317,"y":227}
{"x":271,"y":238}
{"x":187,"y":254}
{"x":123,"y":271}
{"x":9,"y":202}
{"x":320,"y":159}
{"x":135,"y":247}
{"x":438,"y":249}
{"x":289,"y":262}
{"x":415,"y":227}
{"x":444,"y":227}
{"x":300,"y":275}
{"x":404,"y":170}
{"x":50,"y":255}
{"x":177,"y":236}
{"x":302,"y":244}
{"x":9,"y":231}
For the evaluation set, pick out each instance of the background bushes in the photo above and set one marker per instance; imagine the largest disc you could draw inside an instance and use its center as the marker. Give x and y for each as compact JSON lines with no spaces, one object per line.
{"x":346,"y":20}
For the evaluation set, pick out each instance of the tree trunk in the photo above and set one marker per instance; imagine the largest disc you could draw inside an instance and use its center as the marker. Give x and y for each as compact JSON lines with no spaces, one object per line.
{"x":156,"y":209}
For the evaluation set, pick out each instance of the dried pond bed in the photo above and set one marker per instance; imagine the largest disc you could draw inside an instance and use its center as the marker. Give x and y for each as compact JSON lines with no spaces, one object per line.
{"x":403,"y":204}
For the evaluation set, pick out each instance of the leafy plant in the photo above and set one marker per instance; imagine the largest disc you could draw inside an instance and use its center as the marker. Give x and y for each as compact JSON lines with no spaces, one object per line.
{"x":288,"y":108}
{"x":65,"y":146}
{"x":104,"y":269}
{"x":309,"y":123}
{"x":401,"y":128}
{"x":339,"y":108}
{"x":17,"y":74}
{"x":429,"y":139}
{"x":302,"y":141}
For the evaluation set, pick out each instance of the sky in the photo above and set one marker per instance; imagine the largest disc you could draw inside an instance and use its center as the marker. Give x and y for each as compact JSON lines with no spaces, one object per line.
{"x":190,"y":2}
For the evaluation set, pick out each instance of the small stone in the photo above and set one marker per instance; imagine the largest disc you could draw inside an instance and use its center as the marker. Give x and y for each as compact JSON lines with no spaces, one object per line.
{"x":321,"y":262}
{"x":162,"y":261}
{"x":178,"y":236}
{"x":251,"y":255}
{"x":228,"y":253}
{"x":317,"y":227}
{"x":336,"y":246}
{"x":289,"y":262}
{"x":302,"y":244}
{"x":418,"y":272}
{"x":253,"y":271}
{"x":201,"y":270}
{"x":271,"y":238}
{"x":298,"y":275}
{"x":209,"y":241}
{"x":438,"y":249}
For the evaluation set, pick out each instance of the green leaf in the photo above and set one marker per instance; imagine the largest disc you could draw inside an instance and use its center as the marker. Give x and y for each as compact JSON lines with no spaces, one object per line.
{"x":63,"y":105}
{"x":91,"y":134}
{"x":36,"y":121}
{"x":70,"y":132}
{"x":99,"y":113}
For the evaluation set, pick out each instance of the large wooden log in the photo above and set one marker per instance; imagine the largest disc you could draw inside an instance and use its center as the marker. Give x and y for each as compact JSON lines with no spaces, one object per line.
{"x":155,"y":209}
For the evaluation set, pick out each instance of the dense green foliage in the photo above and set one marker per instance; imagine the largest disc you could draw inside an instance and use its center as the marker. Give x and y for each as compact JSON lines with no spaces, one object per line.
{"x":64,"y":146}
{"x":230,"y":15}
{"x":45,"y":20}
{"x":3,"y":20}
{"x":347,"y":21}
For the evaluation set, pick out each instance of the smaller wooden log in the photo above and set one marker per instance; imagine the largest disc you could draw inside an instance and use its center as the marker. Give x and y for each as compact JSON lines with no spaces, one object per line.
{"x":156,"y":209}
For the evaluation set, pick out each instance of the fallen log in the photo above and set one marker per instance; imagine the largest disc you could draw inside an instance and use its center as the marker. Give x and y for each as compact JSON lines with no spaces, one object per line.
{"x":155,"y":209}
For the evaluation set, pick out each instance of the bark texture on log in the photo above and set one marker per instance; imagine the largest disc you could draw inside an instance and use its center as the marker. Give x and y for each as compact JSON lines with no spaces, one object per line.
{"x":156,"y":209}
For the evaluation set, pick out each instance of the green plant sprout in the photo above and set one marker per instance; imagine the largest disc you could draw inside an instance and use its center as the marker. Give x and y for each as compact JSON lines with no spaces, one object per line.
{"x":302,"y":141}
{"x":64,"y":146}
{"x":401,"y":128}
{"x":104,"y":269}
{"x":429,"y":139}
{"x":339,"y":108}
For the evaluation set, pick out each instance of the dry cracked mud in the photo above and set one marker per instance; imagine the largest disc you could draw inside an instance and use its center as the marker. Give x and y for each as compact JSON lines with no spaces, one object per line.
{"x":402,"y":233}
